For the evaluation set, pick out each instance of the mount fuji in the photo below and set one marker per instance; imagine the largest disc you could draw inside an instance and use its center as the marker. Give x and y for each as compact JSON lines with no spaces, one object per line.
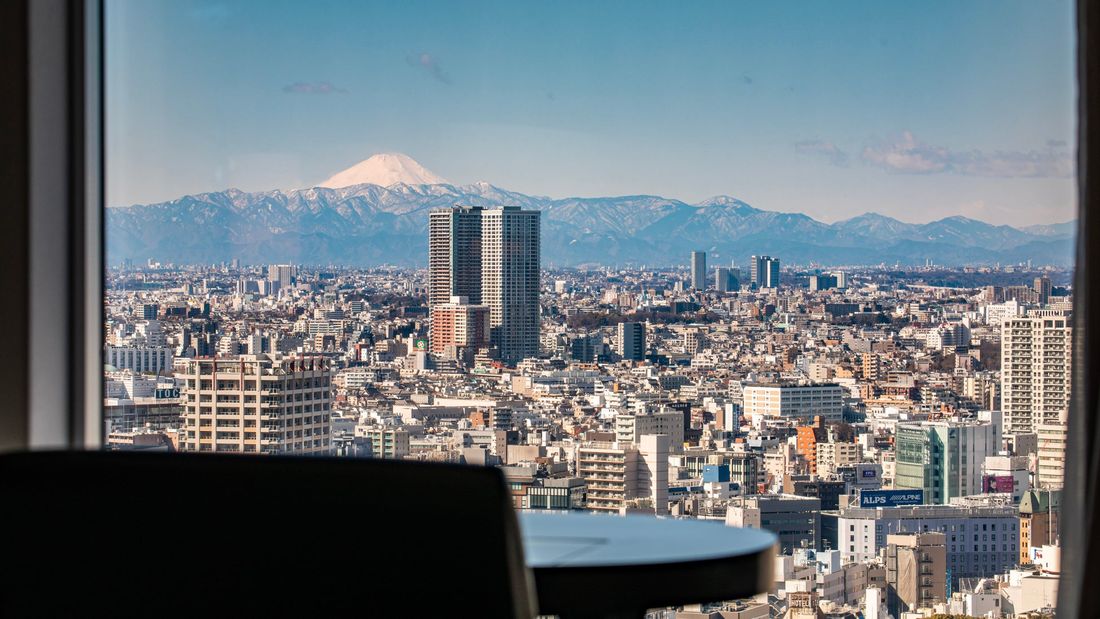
{"x":384,"y":169}
{"x":376,"y":212}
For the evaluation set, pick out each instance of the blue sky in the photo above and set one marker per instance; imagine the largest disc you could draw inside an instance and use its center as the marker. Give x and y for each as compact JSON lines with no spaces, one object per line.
{"x":916,"y":110}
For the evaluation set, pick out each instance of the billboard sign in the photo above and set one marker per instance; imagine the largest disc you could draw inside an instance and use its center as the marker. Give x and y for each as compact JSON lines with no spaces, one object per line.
{"x":890,"y":498}
{"x":167,"y":393}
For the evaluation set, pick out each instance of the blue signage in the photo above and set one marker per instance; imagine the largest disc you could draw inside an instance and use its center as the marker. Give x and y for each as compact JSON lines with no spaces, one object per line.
{"x":868,"y":472}
{"x":890,"y":498}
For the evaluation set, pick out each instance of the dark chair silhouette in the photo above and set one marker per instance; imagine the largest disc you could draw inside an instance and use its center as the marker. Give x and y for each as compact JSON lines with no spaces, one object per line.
{"x":155,"y":534}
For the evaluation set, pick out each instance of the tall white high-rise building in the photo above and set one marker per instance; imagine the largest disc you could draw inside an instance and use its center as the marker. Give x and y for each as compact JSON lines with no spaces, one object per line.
{"x":699,"y":270}
{"x":1036,"y":369}
{"x":491,"y":257}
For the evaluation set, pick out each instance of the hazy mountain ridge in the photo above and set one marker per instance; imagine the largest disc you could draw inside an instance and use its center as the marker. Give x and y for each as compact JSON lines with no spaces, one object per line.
{"x":370,"y":224}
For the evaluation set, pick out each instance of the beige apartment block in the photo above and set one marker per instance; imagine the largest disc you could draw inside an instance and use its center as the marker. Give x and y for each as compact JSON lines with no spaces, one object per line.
{"x":262,"y":404}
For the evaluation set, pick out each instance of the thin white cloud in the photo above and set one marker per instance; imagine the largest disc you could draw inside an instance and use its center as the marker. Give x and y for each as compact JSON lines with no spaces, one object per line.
{"x":313,"y":88}
{"x":908,"y":155}
{"x":826,"y":150}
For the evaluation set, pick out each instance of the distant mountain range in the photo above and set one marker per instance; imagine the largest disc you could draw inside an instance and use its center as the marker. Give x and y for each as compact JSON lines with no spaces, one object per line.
{"x":370,"y":224}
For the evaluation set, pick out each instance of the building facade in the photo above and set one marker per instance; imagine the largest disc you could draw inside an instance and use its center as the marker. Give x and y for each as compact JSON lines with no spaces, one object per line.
{"x":916,"y":568}
{"x":140,"y":359}
{"x":1036,"y":354}
{"x":458,"y":325}
{"x":979,"y":541}
{"x":944,"y":458}
{"x":491,"y":257}
{"x":795,"y":401}
{"x":630,"y":343}
{"x":699,"y":270}
{"x":264,"y":404}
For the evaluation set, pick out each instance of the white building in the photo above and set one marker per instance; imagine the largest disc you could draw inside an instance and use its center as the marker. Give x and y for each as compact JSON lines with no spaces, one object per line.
{"x":630,"y":428}
{"x":1035,"y":369}
{"x":1051,"y":470}
{"x":795,"y":401}
{"x":141,"y":359}
{"x":979,"y":541}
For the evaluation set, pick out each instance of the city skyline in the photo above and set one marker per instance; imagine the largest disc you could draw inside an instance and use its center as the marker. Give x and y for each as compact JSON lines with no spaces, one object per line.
{"x":843,"y":110}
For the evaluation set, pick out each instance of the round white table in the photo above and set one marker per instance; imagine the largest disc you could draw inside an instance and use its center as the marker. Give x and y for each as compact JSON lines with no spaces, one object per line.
{"x":595,"y":565}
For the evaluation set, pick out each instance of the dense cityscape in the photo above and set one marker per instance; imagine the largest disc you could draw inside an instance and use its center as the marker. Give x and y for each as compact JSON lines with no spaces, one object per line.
{"x":901,"y":430}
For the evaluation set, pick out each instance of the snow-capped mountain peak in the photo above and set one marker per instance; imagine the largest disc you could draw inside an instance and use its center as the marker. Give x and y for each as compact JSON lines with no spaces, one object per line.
{"x":384,"y":169}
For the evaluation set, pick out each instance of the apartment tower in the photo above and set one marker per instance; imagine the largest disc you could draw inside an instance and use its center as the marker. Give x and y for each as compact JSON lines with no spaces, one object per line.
{"x":699,"y":270}
{"x":1036,"y":364}
{"x":491,"y":257}
{"x":267,"y":404}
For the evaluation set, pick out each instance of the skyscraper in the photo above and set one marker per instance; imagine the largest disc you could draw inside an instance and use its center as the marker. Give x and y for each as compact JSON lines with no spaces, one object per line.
{"x":491,"y":257}
{"x":454,"y":254}
{"x":772,"y":273}
{"x":699,"y":270}
{"x":726,"y":279}
{"x":281,"y":274}
{"x":1043,"y":287}
{"x":631,"y":341}
{"x":764,"y":271}
{"x":1036,"y":353}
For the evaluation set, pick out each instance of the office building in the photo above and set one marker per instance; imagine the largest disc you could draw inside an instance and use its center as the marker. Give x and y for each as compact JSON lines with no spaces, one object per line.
{"x":282,"y":275}
{"x":491,"y":257}
{"x":944,"y":458}
{"x":1036,"y":354}
{"x":980,"y":541}
{"x":630,"y":341}
{"x":557,"y":493}
{"x":459,"y":326}
{"x":822,"y":282}
{"x":140,"y":359}
{"x":694,"y":340}
{"x":791,"y":401}
{"x":727,"y":279}
{"x":1043,"y":288}
{"x":266,"y":404}
{"x":916,"y":567}
{"x":764,"y":271}
{"x":699,"y":270}
{"x":587,"y":347}
{"x":795,"y":520}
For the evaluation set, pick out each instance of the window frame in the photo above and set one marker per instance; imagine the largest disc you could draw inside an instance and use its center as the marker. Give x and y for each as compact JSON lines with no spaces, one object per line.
{"x":52,"y":123}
